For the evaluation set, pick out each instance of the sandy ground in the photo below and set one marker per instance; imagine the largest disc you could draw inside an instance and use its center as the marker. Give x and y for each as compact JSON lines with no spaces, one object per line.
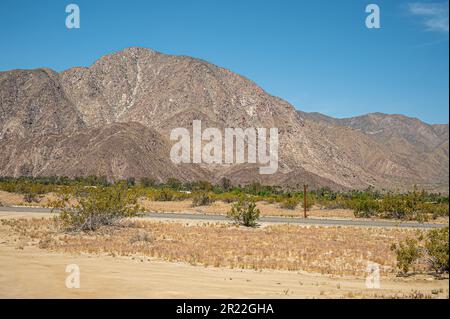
{"x":30,"y":272}
{"x":35,"y":273}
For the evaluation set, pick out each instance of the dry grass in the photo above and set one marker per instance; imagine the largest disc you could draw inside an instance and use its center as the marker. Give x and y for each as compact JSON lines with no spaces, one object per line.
{"x":326,"y":250}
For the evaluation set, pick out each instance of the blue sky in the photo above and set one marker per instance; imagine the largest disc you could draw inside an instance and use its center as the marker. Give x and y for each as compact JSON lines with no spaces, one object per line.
{"x":318,"y":55}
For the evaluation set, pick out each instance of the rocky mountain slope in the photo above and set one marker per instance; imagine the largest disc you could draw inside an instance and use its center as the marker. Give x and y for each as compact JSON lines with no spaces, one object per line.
{"x":114,"y":118}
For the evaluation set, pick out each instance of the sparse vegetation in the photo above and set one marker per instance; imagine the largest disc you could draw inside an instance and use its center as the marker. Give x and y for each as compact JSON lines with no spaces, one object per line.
{"x":433,"y":248}
{"x":290,"y":203}
{"x":245,"y":213}
{"x":201,"y":199}
{"x":326,"y":250}
{"x":31,"y":198}
{"x":95,"y":207}
{"x":407,"y":253}
{"x":414,"y":205}
{"x":436,"y":249}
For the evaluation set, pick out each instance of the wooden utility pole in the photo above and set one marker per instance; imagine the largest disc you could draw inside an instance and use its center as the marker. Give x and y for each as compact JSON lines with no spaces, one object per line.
{"x":305,"y":190}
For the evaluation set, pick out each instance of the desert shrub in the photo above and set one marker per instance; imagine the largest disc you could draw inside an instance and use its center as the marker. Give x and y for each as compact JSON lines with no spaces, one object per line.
{"x":95,"y":207}
{"x":436,"y":247}
{"x":31,"y":198}
{"x":174,"y":183}
{"x":419,"y":206}
{"x":365,"y":207}
{"x":310,"y":201}
{"x":201,"y":199}
{"x":147,"y":182}
{"x":407,"y":253}
{"x":290,"y":203}
{"x":24,"y":186}
{"x":131,"y":181}
{"x":1,"y":204}
{"x":432,"y":248}
{"x":435,"y":209}
{"x":202,"y":186}
{"x":225,"y":183}
{"x":245,"y":213}
{"x":163,"y":195}
{"x":228,"y":197}
{"x":337,"y":203}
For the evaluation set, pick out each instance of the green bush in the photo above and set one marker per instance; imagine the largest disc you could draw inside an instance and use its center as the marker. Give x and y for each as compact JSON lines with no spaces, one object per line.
{"x":365,"y":207}
{"x":433,"y":248}
{"x":225,"y":183}
{"x":245,"y":213}
{"x":407,"y":253}
{"x":201,"y":199}
{"x":174,"y":183}
{"x":436,"y":246}
{"x":95,"y":207}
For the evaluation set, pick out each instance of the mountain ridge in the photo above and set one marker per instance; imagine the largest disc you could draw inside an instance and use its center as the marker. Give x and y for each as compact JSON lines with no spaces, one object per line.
{"x":152,"y":93}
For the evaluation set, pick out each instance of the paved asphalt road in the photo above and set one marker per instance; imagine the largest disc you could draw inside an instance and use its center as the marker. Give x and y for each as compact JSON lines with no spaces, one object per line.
{"x":307,"y":221}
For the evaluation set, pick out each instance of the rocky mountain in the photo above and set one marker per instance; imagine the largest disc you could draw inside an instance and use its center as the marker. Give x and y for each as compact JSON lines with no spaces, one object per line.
{"x":114,"y":118}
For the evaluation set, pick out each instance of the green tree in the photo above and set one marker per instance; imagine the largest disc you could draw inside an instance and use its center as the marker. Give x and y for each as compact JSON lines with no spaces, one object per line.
{"x":407,"y":253}
{"x":436,"y":246}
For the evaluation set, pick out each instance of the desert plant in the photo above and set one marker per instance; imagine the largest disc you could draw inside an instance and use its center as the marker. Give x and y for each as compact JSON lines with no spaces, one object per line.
{"x":289,"y":203}
{"x":147,"y":182}
{"x":95,"y":207}
{"x":228,"y":197}
{"x":201,"y":199}
{"x":433,"y":248}
{"x":163,"y":195}
{"x":407,"y":253}
{"x":202,"y":186}
{"x":225,"y":183}
{"x":31,"y":198}
{"x":173,"y":183}
{"x":131,"y":181}
{"x":245,"y":213}
{"x":436,"y":247}
{"x":365,"y":207}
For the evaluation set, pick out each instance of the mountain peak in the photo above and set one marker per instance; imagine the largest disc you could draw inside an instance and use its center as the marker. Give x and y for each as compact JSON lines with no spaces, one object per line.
{"x":46,"y":117}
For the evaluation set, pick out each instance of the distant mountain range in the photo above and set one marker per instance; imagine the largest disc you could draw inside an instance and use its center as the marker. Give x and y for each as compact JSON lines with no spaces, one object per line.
{"x":114,"y":118}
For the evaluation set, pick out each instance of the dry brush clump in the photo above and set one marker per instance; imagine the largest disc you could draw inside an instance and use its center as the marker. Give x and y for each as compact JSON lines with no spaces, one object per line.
{"x":327,"y":250}
{"x":95,"y":207}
